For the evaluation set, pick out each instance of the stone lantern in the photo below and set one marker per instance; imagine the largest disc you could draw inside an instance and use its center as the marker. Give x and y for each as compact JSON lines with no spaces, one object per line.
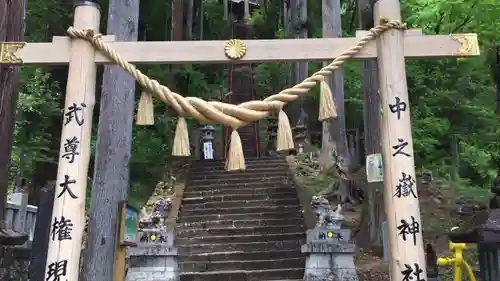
{"x":238,"y":9}
{"x":272,"y":134}
{"x":300,"y":133}
{"x":207,"y":136}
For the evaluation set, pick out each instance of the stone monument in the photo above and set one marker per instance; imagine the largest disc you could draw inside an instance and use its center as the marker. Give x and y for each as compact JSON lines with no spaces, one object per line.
{"x":330,"y":247}
{"x":155,"y":257}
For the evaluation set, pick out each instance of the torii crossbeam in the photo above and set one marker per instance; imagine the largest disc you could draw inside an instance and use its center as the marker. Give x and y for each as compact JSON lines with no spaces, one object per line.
{"x":416,"y":45}
{"x":390,"y":49}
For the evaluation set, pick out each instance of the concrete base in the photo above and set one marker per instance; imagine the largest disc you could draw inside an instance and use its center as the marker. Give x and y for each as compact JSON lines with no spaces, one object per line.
{"x":152,"y":268}
{"x":152,"y":263}
{"x":330,"y":266}
{"x":329,"y":277}
{"x":151,"y":276}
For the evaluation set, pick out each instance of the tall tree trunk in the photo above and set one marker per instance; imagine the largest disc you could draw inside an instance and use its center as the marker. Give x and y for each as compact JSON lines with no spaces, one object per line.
{"x":177,"y":20}
{"x":298,"y":15}
{"x":334,"y":141}
{"x":189,"y":19}
{"x":201,"y":12}
{"x":496,"y":73}
{"x":497,"y":78}
{"x":373,"y":213}
{"x":287,"y":23}
{"x":111,"y":175}
{"x":455,"y":158}
{"x":11,"y":30}
{"x":177,"y":34}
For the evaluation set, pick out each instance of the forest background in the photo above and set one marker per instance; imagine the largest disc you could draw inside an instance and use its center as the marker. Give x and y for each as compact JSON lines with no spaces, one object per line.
{"x":454,"y":102}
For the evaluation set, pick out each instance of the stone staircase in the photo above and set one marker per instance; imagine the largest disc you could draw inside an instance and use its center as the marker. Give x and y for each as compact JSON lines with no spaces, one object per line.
{"x":240,"y":226}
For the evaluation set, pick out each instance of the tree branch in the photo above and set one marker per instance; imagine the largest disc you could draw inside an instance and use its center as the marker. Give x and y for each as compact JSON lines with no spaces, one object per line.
{"x":467,"y":18}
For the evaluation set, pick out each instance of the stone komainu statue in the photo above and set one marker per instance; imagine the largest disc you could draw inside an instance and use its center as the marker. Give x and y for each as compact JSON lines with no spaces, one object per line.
{"x":324,"y":213}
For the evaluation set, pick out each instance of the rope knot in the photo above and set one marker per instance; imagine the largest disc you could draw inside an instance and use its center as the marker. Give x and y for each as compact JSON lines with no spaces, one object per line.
{"x":87,"y":34}
{"x":394,"y":24}
{"x":92,"y":36}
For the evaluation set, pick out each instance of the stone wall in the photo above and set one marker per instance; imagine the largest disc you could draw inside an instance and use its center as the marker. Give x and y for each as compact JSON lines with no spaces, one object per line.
{"x":14,"y":263}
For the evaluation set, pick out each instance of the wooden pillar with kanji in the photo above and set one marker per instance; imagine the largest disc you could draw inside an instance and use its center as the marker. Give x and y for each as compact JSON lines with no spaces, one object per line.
{"x":68,"y":221}
{"x":407,"y":259}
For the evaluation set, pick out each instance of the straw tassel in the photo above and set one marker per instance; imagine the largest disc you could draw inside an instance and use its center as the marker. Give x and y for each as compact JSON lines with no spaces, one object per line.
{"x":327,"y":108}
{"x":181,"y":139}
{"x":145,"y":110}
{"x":285,"y":138}
{"x":235,"y":159}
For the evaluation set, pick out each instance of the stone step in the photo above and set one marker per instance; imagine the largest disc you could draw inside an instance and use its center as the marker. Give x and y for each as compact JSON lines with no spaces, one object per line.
{"x":183,"y":232}
{"x":248,"y":170}
{"x":188,"y":204}
{"x":248,"y":166}
{"x":258,"y":214}
{"x":240,"y":210}
{"x":244,"y":275}
{"x":244,"y":238}
{"x":280,"y":178}
{"x":271,"y":191}
{"x":243,"y":256}
{"x":249,"y":185}
{"x":250,"y":162}
{"x":237,"y":197}
{"x":237,"y":224}
{"x":298,"y":262}
{"x":242,"y":247}
{"x":238,"y":175}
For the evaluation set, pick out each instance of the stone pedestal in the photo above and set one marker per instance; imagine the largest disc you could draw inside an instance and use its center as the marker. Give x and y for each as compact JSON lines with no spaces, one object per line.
{"x":153,"y":260}
{"x":330,"y":255}
{"x":329,"y":246}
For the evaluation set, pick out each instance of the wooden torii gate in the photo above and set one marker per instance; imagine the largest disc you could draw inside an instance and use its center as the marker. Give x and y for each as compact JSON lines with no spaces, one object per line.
{"x":391,"y":48}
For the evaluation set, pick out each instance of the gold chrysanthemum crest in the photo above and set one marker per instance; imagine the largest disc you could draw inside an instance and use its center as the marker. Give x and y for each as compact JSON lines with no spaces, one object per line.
{"x":235,"y":49}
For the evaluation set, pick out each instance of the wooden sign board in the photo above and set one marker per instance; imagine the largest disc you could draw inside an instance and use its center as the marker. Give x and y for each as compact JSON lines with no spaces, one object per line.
{"x":129,"y":225}
{"x":374,"y":168}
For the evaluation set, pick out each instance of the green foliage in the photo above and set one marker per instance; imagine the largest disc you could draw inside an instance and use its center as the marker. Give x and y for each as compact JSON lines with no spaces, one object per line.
{"x":448,"y":97}
{"x":38,"y":104}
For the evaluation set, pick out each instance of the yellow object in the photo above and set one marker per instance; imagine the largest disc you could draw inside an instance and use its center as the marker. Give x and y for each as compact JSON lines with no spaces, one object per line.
{"x":181,"y":139}
{"x":457,"y":261}
{"x":153,"y":237}
{"x":235,"y":49}
{"x":8,"y":52}
{"x":327,"y":107}
{"x":284,"y":140}
{"x":468,"y":44}
{"x":145,"y":110}
{"x":235,"y":158}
